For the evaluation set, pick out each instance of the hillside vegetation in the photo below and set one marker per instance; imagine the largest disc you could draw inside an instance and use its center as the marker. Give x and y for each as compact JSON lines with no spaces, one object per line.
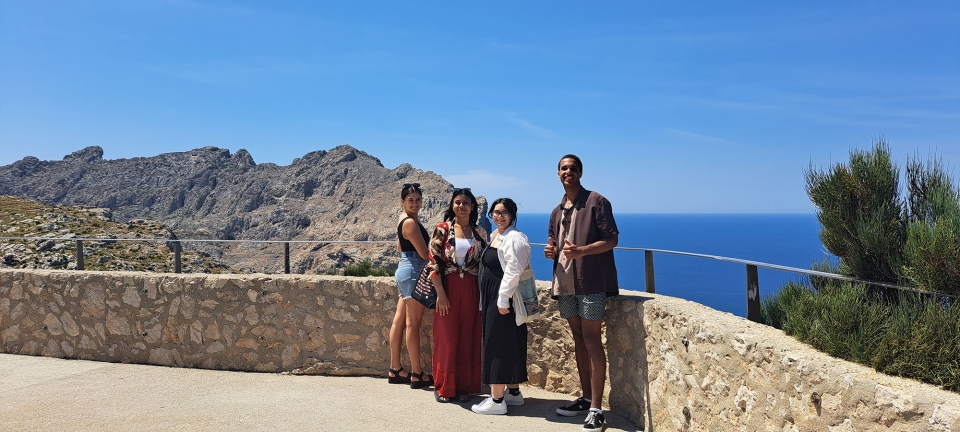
{"x":25,"y":218}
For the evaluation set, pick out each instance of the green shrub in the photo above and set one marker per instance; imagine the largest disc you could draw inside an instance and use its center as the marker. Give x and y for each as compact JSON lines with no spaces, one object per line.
{"x":932,"y":249}
{"x":771,"y":309}
{"x":922,"y":341}
{"x":859,"y":208}
{"x":365,"y":269}
{"x":914,"y":336}
{"x":846,"y":323}
{"x":881,"y":236}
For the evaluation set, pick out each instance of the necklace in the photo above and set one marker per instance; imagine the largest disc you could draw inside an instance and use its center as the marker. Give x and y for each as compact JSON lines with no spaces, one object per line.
{"x":464,"y":231}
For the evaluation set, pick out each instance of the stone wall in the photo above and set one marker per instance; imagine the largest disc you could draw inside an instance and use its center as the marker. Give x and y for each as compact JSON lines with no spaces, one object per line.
{"x":673,"y":364}
{"x":679,"y":365}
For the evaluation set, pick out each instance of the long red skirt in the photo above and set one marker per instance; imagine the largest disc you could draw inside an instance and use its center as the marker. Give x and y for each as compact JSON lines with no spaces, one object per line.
{"x":456,"y":338}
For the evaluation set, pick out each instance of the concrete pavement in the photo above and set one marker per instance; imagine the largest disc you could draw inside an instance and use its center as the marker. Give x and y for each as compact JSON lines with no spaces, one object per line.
{"x":41,"y":393}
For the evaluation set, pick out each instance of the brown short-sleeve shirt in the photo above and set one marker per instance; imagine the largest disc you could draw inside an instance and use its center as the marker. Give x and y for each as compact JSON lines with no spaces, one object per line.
{"x":589,"y":220}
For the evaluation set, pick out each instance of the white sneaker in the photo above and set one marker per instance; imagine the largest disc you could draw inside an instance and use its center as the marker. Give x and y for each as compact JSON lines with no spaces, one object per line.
{"x":488,"y":406}
{"x":512,"y":400}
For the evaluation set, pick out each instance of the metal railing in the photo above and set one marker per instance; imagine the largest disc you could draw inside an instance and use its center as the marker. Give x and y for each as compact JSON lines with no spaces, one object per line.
{"x":752,"y":278}
{"x":177,"y":249}
{"x":753,"y":283}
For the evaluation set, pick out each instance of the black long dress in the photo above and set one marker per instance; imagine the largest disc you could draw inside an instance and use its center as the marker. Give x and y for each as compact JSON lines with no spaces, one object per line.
{"x":504,"y":342}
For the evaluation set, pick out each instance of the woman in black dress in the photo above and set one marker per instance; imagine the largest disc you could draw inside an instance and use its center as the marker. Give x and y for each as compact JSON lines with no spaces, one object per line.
{"x":504,"y":342}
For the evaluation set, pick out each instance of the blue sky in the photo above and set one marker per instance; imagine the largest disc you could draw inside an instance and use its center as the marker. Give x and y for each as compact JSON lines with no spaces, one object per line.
{"x":675,"y":107}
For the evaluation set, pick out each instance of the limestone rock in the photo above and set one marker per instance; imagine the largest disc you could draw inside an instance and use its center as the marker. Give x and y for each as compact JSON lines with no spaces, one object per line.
{"x":343,"y":194}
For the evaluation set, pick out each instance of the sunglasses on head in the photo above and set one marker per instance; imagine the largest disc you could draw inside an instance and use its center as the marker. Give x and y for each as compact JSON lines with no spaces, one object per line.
{"x":458,"y":191}
{"x":414,"y":186}
{"x":565,"y":220}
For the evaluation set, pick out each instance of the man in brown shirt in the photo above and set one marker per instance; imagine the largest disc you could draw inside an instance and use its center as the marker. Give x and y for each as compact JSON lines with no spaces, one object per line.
{"x":581,"y":237}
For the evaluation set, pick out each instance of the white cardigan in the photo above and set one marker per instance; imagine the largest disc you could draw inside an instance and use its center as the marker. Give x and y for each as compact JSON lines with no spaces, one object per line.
{"x":514,"y":254}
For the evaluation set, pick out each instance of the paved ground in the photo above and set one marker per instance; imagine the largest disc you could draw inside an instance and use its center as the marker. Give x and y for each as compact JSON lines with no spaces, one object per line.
{"x":48,"y":394}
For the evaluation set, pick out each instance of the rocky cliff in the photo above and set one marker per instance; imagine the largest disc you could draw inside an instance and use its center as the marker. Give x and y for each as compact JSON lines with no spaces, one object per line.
{"x":343,"y":194}
{"x":51,"y":228}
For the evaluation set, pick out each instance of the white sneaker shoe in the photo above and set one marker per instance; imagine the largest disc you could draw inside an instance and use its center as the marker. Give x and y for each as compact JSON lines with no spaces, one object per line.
{"x":488,"y":406}
{"x":512,"y":400}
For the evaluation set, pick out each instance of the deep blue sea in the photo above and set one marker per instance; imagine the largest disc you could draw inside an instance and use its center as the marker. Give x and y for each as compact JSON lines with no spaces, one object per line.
{"x":785,"y":239}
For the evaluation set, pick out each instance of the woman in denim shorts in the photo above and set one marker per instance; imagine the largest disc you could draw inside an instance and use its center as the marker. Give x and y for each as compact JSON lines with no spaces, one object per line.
{"x":412,"y":242}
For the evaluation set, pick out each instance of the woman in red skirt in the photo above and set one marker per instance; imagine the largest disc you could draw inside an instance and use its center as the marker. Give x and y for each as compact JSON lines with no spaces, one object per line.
{"x":455,"y":250}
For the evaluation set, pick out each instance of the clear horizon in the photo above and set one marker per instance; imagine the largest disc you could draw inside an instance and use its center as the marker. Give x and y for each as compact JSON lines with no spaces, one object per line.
{"x":693,"y":108}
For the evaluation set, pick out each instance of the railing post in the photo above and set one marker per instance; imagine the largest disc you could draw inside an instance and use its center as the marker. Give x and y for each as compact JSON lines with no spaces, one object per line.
{"x":176,"y":257}
{"x":753,"y":294}
{"x":79,"y":254}
{"x":286,"y":257}
{"x":648,"y":271}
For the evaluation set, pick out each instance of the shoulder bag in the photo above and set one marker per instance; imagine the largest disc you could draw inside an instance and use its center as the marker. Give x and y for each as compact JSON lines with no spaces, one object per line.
{"x":526,"y":301}
{"x":424,"y":292}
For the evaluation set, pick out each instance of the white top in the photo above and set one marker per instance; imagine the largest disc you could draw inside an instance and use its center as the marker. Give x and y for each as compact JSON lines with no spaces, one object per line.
{"x":463,"y":246}
{"x":514,"y":254}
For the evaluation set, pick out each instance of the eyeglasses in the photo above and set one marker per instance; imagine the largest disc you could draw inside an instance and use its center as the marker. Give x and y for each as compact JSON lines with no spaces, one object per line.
{"x":498,"y":213}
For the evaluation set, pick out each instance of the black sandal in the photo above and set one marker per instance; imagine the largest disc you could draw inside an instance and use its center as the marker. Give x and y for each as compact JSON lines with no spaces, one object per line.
{"x":463,"y":398}
{"x":396,"y":378}
{"x":441,"y":399}
{"x":420,"y":382}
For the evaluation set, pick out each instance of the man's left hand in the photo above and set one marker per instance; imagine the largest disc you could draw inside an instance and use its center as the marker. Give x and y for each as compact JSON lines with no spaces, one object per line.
{"x":572,"y":251}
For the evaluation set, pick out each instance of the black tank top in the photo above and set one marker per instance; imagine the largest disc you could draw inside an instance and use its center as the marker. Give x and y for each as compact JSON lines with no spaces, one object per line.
{"x":406,"y":245}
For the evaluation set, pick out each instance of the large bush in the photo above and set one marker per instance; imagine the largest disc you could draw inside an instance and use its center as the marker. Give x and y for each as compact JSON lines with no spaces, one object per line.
{"x":932,"y":250}
{"x":912,"y":336}
{"x":859,"y":208}
{"x":880,"y":235}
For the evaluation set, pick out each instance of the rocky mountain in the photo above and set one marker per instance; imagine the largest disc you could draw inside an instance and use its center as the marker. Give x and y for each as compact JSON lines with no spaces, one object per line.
{"x":55,"y":226}
{"x":343,"y":194}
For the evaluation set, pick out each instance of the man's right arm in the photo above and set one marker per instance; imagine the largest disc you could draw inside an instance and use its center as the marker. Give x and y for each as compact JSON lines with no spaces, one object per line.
{"x":550,"y":252}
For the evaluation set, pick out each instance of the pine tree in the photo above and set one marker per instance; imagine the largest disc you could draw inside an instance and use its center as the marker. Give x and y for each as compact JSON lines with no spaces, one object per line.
{"x":932,"y":249}
{"x":882,"y":237}
{"x":860,"y":213}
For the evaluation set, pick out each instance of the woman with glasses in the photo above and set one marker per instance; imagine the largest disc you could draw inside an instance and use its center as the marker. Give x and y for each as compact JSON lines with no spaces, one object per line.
{"x":455,"y":250}
{"x":412,"y":242}
{"x":504,"y":342}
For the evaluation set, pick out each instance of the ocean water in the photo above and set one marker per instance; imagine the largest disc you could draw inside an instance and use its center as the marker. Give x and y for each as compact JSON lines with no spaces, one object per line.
{"x":785,"y":239}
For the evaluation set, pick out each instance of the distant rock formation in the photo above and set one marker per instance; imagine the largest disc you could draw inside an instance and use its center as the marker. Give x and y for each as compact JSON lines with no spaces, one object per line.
{"x":343,"y":194}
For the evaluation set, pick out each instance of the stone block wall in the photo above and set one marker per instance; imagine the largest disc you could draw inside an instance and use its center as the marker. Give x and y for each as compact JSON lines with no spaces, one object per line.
{"x":673,"y":364}
{"x":680,"y":366}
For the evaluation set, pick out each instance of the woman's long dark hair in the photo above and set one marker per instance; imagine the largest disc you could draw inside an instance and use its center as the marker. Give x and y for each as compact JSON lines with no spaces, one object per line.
{"x":450,"y":215}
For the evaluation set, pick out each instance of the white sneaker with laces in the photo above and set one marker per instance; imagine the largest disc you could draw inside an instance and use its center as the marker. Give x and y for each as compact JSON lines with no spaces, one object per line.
{"x":488,"y":406}
{"x":512,"y":400}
